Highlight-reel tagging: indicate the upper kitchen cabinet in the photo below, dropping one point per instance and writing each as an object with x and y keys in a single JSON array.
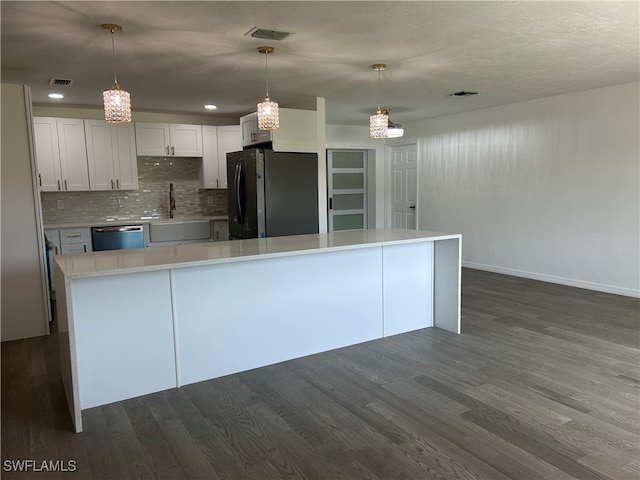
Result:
[
  {"x": 298, "y": 131},
  {"x": 168, "y": 140},
  {"x": 251, "y": 135},
  {"x": 217, "y": 142},
  {"x": 61, "y": 154},
  {"x": 111, "y": 152}
]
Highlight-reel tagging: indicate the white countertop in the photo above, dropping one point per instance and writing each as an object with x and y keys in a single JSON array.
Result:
[
  {"x": 138, "y": 221},
  {"x": 116, "y": 262}
]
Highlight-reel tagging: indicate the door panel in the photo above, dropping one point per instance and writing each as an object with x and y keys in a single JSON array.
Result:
[
  {"x": 404, "y": 186},
  {"x": 347, "y": 183}
]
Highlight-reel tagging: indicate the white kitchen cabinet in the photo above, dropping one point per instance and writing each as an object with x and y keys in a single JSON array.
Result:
[
  {"x": 111, "y": 153},
  {"x": 297, "y": 132},
  {"x": 61, "y": 154},
  {"x": 168, "y": 140},
  {"x": 67, "y": 240},
  {"x": 216, "y": 143},
  {"x": 220, "y": 230},
  {"x": 251, "y": 134},
  {"x": 75, "y": 240}
]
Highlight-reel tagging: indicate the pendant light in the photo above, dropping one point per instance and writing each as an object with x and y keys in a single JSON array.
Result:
[
  {"x": 268, "y": 117},
  {"x": 117, "y": 102},
  {"x": 378, "y": 122}
]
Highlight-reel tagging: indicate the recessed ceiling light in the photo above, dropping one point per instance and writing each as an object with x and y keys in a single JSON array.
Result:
[
  {"x": 56, "y": 95},
  {"x": 210, "y": 106}
]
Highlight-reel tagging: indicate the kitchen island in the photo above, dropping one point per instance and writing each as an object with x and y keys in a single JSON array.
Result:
[{"x": 134, "y": 322}]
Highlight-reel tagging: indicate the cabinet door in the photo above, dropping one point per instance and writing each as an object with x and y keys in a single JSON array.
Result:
[
  {"x": 125, "y": 162},
  {"x": 99, "y": 155},
  {"x": 75, "y": 248},
  {"x": 220, "y": 230},
  {"x": 209, "y": 176},
  {"x": 73, "y": 154},
  {"x": 53, "y": 236},
  {"x": 262, "y": 135},
  {"x": 229, "y": 140},
  {"x": 152, "y": 139},
  {"x": 249, "y": 126},
  {"x": 186, "y": 140},
  {"x": 45, "y": 132}
]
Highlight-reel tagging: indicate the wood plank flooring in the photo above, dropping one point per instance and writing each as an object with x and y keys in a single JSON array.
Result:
[{"x": 543, "y": 383}]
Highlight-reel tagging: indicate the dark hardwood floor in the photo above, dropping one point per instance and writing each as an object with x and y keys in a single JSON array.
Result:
[{"x": 543, "y": 383}]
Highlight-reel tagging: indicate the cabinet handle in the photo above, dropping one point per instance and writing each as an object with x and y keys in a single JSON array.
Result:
[
  {"x": 84, "y": 248},
  {"x": 73, "y": 235},
  {"x": 66, "y": 187},
  {"x": 112, "y": 184},
  {"x": 58, "y": 184},
  {"x": 173, "y": 151},
  {"x": 253, "y": 136},
  {"x": 55, "y": 249},
  {"x": 39, "y": 180},
  {"x": 167, "y": 149},
  {"x": 118, "y": 183}
]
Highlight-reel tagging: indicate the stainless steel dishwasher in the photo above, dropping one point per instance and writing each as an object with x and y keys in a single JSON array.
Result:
[{"x": 117, "y": 237}]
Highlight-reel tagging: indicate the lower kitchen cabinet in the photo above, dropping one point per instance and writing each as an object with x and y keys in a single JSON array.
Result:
[
  {"x": 67, "y": 240},
  {"x": 220, "y": 230}
]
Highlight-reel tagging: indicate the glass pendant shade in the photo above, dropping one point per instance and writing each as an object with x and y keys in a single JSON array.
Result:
[
  {"x": 378, "y": 124},
  {"x": 268, "y": 117},
  {"x": 117, "y": 105}
]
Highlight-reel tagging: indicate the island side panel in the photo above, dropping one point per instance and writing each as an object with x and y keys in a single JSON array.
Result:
[
  {"x": 447, "y": 258},
  {"x": 408, "y": 287},
  {"x": 68, "y": 360},
  {"x": 238, "y": 316},
  {"x": 124, "y": 336}
]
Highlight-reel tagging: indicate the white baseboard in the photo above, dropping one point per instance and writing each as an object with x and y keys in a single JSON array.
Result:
[{"x": 627, "y": 292}]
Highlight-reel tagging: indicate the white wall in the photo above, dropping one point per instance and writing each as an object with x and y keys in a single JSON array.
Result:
[
  {"x": 25, "y": 307},
  {"x": 545, "y": 189}
]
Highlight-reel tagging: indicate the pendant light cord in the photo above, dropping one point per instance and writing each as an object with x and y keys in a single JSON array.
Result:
[
  {"x": 266, "y": 69},
  {"x": 379, "y": 88},
  {"x": 113, "y": 58}
]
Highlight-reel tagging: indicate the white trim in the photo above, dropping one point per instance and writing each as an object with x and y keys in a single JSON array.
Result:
[{"x": 543, "y": 277}]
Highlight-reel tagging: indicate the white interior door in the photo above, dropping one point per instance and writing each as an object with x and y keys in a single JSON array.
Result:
[
  {"x": 347, "y": 187},
  {"x": 404, "y": 186}
]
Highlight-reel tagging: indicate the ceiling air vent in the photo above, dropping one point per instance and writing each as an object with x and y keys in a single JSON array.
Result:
[
  {"x": 462, "y": 93},
  {"x": 63, "y": 82},
  {"x": 267, "y": 34}
]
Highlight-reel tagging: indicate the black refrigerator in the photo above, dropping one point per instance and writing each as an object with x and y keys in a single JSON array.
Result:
[{"x": 271, "y": 194}]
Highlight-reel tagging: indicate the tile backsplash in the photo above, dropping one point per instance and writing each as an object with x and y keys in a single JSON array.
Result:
[{"x": 150, "y": 200}]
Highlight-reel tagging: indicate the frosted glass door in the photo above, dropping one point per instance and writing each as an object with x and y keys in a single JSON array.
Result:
[{"x": 347, "y": 189}]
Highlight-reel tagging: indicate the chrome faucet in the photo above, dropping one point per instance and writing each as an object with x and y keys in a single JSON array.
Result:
[{"x": 172, "y": 201}]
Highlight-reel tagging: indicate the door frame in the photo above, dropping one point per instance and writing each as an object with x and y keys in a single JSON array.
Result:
[{"x": 366, "y": 184}]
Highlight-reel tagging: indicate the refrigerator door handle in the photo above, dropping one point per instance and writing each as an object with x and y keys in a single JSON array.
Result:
[{"x": 239, "y": 199}]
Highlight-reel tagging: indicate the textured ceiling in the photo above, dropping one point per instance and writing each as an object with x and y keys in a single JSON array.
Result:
[{"x": 176, "y": 56}]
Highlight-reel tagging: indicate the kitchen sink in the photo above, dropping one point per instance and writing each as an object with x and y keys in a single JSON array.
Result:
[{"x": 178, "y": 231}]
